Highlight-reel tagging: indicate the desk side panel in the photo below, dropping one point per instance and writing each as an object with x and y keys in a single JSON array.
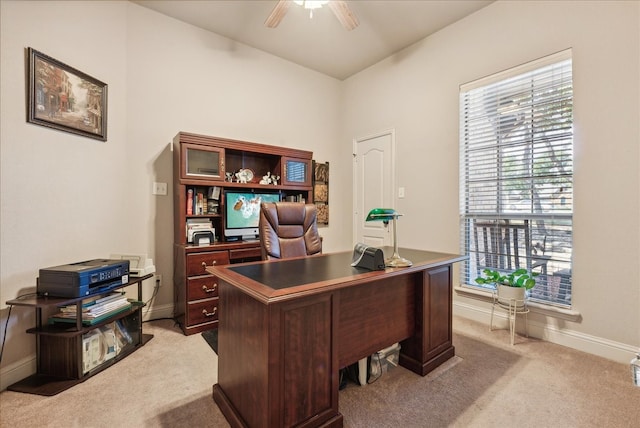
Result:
[
  {"x": 440, "y": 310},
  {"x": 306, "y": 364},
  {"x": 432, "y": 344},
  {"x": 243, "y": 355}
]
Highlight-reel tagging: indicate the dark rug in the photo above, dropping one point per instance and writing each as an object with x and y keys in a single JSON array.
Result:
[{"x": 211, "y": 336}]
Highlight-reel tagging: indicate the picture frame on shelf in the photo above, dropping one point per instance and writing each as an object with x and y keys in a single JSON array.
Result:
[{"x": 66, "y": 99}]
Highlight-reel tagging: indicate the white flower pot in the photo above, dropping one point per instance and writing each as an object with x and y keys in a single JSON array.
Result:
[{"x": 511, "y": 296}]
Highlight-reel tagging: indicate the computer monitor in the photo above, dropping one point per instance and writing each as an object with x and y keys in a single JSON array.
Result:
[{"x": 242, "y": 213}]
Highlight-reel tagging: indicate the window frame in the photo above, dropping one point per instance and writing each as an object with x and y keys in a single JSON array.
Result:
[{"x": 547, "y": 171}]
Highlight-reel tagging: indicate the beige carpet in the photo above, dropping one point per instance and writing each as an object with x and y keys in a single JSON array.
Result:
[{"x": 167, "y": 383}]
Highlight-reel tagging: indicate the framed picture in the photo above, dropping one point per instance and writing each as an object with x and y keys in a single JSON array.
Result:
[
  {"x": 66, "y": 99},
  {"x": 321, "y": 191}
]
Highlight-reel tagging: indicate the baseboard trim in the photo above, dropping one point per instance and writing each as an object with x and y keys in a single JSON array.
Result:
[
  {"x": 17, "y": 371},
  {"x": 156, "y": 312},
  {"x": 609, "y": 349}
]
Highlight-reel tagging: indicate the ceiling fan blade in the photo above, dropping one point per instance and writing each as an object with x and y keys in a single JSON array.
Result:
[
  {"x": 344, "y": 14},
  {"x": 277, "y": 13}
]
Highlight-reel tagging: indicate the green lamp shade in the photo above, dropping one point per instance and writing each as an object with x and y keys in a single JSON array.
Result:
[
  {"x": 382, "y": 214},
  {"x": 386, "y": 215}
]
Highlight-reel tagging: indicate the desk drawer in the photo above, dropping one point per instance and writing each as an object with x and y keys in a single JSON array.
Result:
[
  {"x": 245, "y": 253},
  {"x": 198, "y": 262},
  {"x": 202, "y": 311},
  {"x": 203, "y": 287}
]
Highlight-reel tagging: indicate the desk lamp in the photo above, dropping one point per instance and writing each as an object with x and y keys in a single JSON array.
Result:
[{"x": 385, "y": 215}]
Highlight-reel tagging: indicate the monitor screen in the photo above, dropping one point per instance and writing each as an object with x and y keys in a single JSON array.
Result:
[{"x": 242, "y": 212}]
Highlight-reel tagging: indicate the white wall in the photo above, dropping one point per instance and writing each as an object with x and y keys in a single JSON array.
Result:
[
  {"x": 66, "y": 198},
  {"x": 63, "y": 197},
  {"x": 416, "y": 92},
  {"x": 182, "y": 78}
]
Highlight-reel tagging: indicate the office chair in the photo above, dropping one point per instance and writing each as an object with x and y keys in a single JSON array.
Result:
[{"x": 288, "y": 229}]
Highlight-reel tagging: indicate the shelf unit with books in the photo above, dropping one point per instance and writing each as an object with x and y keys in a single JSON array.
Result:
[
  {"x": 70, "y": 352},
  {"x": 204, "y": 168}
]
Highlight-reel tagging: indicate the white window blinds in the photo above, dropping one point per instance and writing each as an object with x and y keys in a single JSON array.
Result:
[{"x": 516, "y": 148}]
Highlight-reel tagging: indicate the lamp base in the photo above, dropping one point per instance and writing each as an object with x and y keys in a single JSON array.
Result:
[{"x": 397, "y": 261}]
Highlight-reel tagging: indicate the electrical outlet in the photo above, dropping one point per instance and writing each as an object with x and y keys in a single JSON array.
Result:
[
  {"x": 159, "y": 188},
  {"x": 158, "y": 280}
]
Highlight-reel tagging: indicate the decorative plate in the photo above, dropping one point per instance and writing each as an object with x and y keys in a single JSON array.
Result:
[{"x": 245, "y": 175}]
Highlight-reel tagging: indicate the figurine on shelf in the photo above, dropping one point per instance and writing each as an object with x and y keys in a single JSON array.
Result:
[
  {"x": 266, "y": 179},
  {"x": 274, "y": 179},
  {"x": 229, "y": 176}
]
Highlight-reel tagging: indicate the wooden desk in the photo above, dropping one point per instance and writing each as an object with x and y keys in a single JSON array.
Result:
[{"x": 287, "y": 327}]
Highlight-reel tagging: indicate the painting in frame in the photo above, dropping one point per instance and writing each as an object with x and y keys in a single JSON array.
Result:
[
  {"x": 66, "y": 99},
  {"x": 321, "y": 191}
]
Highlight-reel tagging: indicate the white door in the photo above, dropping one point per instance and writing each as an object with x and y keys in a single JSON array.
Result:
[{"x": 373, "y": 185}]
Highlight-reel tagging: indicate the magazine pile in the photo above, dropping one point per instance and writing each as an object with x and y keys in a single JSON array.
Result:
[{"x": 94, "y": 309}]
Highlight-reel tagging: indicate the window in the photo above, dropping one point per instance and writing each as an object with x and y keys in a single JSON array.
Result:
[{"x": 516, "y": 166}]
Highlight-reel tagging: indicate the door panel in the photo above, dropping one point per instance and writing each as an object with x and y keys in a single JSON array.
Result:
[{"x": 373, "y": 186}]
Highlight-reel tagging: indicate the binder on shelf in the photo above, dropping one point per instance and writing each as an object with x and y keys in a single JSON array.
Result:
[{"x": 92, "y": 355}]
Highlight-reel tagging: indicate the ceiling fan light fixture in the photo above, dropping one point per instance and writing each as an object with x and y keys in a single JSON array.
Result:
[
  {"x": 339, "y": 8},
  {"x": 311, "y": 4}
]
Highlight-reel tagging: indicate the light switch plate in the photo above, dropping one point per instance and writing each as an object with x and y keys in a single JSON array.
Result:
[{"x": 159, "y": 188}]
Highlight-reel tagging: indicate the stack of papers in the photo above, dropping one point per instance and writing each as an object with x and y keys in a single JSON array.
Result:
[{"x": 94, "y": 309}]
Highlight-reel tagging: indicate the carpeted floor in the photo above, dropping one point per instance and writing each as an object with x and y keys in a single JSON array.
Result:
[{"x": 167, "y": 383}]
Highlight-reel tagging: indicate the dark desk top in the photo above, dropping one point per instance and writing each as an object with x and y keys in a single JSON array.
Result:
[
  {"x": 277, "y": 279},
  {"x": 289, "y": 273}
]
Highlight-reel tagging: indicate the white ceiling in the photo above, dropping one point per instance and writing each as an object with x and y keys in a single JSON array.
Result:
[{"x": 321, "y": 43}]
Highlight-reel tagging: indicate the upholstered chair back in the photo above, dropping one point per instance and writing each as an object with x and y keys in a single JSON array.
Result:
[{"x": 288, "y": 229}]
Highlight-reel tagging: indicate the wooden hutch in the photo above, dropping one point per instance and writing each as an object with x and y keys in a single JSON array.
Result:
[{"x": 205, "y": 169}]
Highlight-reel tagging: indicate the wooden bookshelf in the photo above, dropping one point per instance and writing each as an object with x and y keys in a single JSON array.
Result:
[{"x": 204, "y": 165}]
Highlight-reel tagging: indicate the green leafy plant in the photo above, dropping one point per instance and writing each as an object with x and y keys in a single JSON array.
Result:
[{"x": 517, "y": 278}]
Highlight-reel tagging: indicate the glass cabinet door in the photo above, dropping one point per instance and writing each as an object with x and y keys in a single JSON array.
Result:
[
  {"x": 202, "y": 162},
  {"x": 296, "y": 172}
]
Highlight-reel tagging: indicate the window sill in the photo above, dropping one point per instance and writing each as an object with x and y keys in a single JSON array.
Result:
[{"x": 552, "y": 311}]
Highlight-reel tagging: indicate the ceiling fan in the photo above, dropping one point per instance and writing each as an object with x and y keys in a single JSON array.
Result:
[{"x": 339, "y": 8}]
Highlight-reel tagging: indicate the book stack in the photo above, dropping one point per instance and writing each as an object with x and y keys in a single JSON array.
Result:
[
  {"x": 203, "y": 200},
  {"x": 94, "y": 309}
]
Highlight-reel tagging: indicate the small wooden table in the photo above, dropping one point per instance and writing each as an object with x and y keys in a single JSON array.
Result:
[
  {"x": 59, "y": 347},
  {"x": 286, "y": 328}
]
